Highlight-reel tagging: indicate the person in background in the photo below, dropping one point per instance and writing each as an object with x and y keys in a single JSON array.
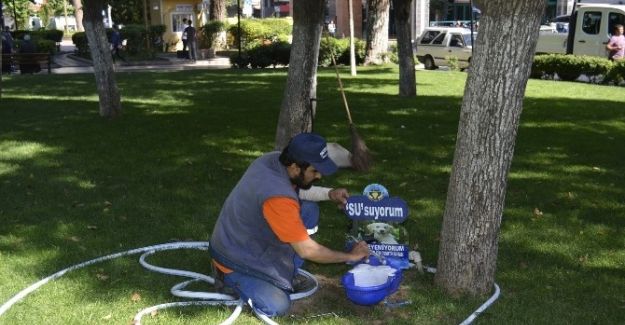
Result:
[
  {"x": 8, "y": 40},
  {"x": 263, "y": 233},
  {"x": 27, "y": 46},
  {"x": 184, "y": 37},
  {"x": 7, "y": 66},
  {"x": 332, "y": 28},
  {"x": 616, "y": 44},
  {"x": 116, "y": 44},
  {"x": 191, "y": 41}
]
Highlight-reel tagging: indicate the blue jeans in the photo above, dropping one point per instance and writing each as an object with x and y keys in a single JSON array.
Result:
[{"x": 267, "y": 298}]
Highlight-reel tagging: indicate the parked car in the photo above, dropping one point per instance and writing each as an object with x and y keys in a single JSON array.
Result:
[{"x": 438, "y": 44}]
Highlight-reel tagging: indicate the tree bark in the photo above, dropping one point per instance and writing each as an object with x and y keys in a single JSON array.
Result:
[
  {"x": 110, "y": 103},
  {"x": 298, "y": 105},
  {"x": 218, "y": 12},
  {"x": 489, "y": 120},
  {"x": 377, "y": 30},
  {"x": 78, "y": 14},
  {"x": 407, "y": 82}
]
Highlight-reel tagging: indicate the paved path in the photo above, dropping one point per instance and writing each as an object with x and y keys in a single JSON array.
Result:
[{"x": 66, "y": 62}]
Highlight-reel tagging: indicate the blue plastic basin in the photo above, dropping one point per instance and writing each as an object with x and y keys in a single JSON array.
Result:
[{"x": 367, "y": 296}]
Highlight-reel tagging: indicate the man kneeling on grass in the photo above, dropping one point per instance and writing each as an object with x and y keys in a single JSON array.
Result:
[{"x": 262, "y": 235}]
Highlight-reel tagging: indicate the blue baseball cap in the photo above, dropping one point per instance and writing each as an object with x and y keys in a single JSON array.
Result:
[{"x": 313, "y": 149}]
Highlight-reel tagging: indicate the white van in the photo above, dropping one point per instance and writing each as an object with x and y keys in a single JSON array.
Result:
[
  {"x": 437, "y": 45},
  {"x": 590, "y": 28}
]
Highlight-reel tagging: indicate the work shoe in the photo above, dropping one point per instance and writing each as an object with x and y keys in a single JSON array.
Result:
[
  {"x": 302, "y": 283},
  {"x": 220, "y": 286}
]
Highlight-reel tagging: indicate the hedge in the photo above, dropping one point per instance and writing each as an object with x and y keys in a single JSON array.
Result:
[
  {"x": 41, "y": 45},
  {"x": 570, "y": 67},
  {"x": 261, "y": 54},
  {"x": 617, "y": 73},
  {"x": 42, "y": 38},
  {"x": 210, "y": 31},
  {"x": 271, "y": 29},
  {"x": 134, "y": 35}
]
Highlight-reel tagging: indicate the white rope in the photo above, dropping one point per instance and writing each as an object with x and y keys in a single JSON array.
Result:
[
  {"x": 209, "y": 298},
  {"x": 482, "y": 308},
  {"x": 22, "y": 294}
]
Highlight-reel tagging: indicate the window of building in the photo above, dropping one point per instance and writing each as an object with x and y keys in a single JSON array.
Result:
[{"x": 177, "y": 19}]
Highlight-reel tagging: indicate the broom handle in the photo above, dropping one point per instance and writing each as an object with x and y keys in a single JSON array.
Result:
[{"x": 338, "y": 77}]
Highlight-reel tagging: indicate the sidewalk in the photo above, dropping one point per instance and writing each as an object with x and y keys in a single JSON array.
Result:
[{"x": 65, "y": 62}]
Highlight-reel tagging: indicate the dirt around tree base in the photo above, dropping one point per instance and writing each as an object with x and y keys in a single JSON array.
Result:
[{"x": 330, "y": 301}]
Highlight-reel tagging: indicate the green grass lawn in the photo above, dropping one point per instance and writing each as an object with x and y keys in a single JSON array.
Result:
[{"x": 74, "y": 186}]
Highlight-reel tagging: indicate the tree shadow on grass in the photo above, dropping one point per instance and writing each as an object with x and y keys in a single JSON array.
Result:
[{"x": 76, "y": 186}]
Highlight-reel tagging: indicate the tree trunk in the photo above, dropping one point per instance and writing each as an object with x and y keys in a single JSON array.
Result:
[
  {"x": 489, "y": 120},
  {"x": 78, "y": 14},
  {"x": 218, "y": 12},
  {"x": 407, "y": 82},
  {"x": 298, "y": 105},
  {"x": 110, "y": 103},
  {"x": 377, "y": 30}
]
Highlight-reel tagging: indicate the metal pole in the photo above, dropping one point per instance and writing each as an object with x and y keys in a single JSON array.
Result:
[{"x": 239, "y": 27}]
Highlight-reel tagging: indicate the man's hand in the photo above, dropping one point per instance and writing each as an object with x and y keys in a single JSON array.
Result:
[
  {"x": 311, "y": 250},
  {"x": 339, "y": 196},
  {"x": 359, "y": 251}
]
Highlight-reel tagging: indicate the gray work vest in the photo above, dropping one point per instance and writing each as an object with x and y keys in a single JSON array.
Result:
[{"x": 242, "y": 239}]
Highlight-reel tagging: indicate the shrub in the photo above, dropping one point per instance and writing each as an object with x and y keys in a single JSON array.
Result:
[
  {"x": 281, "y": 52},
  {"x": 340, "y": 48},
  {"x": 259, "y": 30},
  {"x": 393, "y": 55},
  {"x": 567, "y": 67},
  {"x": 135, "y": 36},
  {"x": 617, "y": 73},
  {"x": 360, "y": 49},
  {"x": 210, "y": 31},
  {"x": 570, "y": 67},
  {"x": 277, "y": 27},
  {"x": 539, "y": 66},
  {"x": 251, "y": 30},
  {"x": 260, "y": 56},
  {"x": 331, "y": 46},
  {"x": 156, "y": 35},
  {"x": 80, "y": 41},
  {"x": 52, "y": 35},
  {"x": 452, "y": 61},
  {"x": 45, "y": 46},
  {"x": 19, "y": 34},
  {"x": 263, "y": 54},
  {"x": 240, "y": 62}
]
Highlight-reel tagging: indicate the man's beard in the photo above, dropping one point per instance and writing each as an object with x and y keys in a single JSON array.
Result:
[{"x": 299, "y": 181}]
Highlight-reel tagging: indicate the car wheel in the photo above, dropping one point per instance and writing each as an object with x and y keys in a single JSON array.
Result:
[{"x": 428, "y": 63}]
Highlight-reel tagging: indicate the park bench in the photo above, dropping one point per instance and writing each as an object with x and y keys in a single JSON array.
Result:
[{"x": 28, "y": 61}]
